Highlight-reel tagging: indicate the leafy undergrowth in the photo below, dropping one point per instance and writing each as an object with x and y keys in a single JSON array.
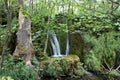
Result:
[
  {"x": 13, "y": 69},
  {"x": 51, "y": 69}
]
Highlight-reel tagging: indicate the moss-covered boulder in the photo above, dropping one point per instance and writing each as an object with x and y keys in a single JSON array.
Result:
[
  {"x": 64, "y": 66},
  {"x": 76, "y": 44}
]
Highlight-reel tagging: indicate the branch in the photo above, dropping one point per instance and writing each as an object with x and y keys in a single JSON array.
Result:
[
  {"x": 110, "y": 68},
  {"x": 118, "y": 67}
]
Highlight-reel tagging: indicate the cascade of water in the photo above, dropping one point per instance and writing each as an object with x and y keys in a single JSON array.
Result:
[
  {"x": 67, "y": 45},
  {"x": 55, "y": 45},
  {"x": 67, "y": 40}
]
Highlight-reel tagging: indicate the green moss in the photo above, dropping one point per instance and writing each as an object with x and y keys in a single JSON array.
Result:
[
  {"x": 56, "y": 67},
  {"x": 72, "y": 58},
  {"x": 76, "y": 44}
]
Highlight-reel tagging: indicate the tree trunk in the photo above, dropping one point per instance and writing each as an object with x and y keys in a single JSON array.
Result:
[{"x": 24, "y": 43}]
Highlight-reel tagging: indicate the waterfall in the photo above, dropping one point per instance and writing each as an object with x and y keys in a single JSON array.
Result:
[
  {"x": 56, "y": 42},
  {"x": 55, "y": 45},
  {"x": 67, "y": 40},
  {"x": 67, "y": 45}
]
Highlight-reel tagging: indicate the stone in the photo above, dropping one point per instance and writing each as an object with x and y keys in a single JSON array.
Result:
[
  {"x": 76, "y": 44},
  {"x": 64, "y": 66}
]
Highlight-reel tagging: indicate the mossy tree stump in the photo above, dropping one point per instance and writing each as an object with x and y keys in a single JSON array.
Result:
[
  {"x": 76, "y": 45},
  {"x": 24, "y": 42}
]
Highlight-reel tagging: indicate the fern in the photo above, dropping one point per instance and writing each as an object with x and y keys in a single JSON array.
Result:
[{"x": 104, "y": 49}]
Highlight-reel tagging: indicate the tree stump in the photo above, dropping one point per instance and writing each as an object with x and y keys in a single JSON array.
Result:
[{"x": 24, "y": 43}]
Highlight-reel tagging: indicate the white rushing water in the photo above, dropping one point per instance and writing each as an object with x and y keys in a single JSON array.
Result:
[
  {"x": 67, "y": 45},
  {"x": 67, "y": 40},
  {"x": 56, "y": 46}
]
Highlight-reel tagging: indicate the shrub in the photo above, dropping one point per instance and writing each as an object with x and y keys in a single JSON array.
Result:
[
  {"x": 17, "y": 70},
  {"x": 103, "y": 51}
]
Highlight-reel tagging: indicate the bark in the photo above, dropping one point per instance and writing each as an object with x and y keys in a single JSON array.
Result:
[{"x": 24, "y": 43}]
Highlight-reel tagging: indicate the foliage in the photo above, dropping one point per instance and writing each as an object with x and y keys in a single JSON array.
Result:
[
  {"x": 92, "y": 62},
  {"x": 114, "y": 73},
  {"x": 52, "y": 69},
  {"x": 17, "y": 70},
  {"x": 41, "y": 56},
  {"x": 14, "y": 25},
  {"x": 2, "y": 32},
  {"x": 4, "y": 78},
  {"x": 62, "y": 67},
  {"x": 97, "y": 20},
  {"x": 11, "y": 36},
  {"x": 80, "y": 70},
  {"x": 103, "y": 51}
]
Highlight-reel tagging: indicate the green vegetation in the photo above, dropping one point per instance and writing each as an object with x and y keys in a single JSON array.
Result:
[
  {"x": 15, "y": 69},
  {"x": 56, "y": 67},
  {"x": 94, "y": 33}
]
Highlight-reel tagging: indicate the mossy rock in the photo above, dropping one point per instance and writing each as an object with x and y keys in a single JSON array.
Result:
[
  {"x": 76, "y": 44},
  {"x": 64, "y": 66}
]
